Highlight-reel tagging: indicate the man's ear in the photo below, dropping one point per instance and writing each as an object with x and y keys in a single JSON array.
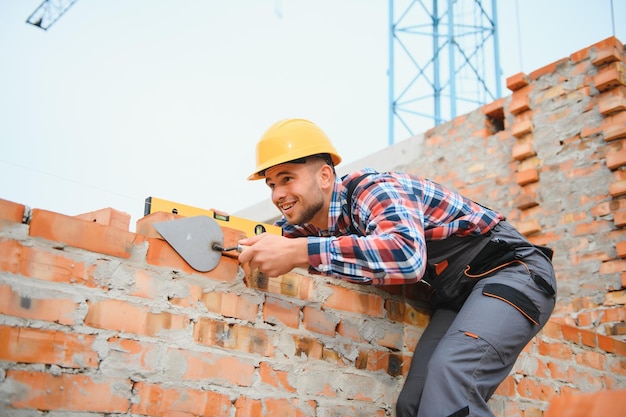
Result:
[{"x": 326, "y": 177}]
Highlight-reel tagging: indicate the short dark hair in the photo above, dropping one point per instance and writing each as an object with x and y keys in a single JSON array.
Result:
[
  {"x": 328, "y": 160},
  {"x": 323, "y": 156}
]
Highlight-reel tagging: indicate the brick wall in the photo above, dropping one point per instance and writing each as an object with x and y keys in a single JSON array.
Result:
[{"x": 96, "y": 319}]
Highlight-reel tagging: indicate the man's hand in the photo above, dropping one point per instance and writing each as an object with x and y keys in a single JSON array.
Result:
[{"x": 274, "y": 255}]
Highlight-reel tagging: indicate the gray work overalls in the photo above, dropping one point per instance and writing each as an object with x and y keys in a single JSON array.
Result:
[{"x": 474, "y": 339}]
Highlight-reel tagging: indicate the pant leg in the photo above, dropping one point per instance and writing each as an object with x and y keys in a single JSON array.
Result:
[
  {"x": 483, "y": 342},
  {"x": 409, "y": 398}
]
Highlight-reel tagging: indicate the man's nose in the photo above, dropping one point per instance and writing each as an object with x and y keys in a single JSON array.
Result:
[{"x": 278, "y": 193}]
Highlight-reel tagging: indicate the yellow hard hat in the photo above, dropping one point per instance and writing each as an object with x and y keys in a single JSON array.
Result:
[{"x": 288, "y": 140}]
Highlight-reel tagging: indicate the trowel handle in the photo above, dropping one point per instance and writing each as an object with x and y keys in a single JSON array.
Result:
[{"x": 238, "y": 248}]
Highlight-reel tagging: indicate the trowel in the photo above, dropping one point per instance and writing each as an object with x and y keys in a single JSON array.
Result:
[{"x": 199, "y": 240}]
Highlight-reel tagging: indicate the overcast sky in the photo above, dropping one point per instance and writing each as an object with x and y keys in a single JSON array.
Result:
[{"x": 124, "y": 99}]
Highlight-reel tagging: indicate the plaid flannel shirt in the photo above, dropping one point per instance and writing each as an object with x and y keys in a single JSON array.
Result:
[{"x": 396, "y": 214}]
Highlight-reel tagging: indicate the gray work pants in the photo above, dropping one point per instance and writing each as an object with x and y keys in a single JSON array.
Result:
[{"x": 463, "y": 356}]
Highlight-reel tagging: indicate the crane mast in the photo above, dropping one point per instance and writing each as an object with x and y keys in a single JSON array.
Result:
[
  {"x": 443, "y": 61},
  {"x": 49, "y": 12}
]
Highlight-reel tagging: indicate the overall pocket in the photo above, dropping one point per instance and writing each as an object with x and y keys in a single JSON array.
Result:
[{"x": 452, "y": 288}]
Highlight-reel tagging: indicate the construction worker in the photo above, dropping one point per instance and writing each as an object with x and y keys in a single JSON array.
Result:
[{"x": 492, "y": 290}]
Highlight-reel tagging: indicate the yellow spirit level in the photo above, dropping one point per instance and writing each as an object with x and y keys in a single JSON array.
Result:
[{"x": 250, "y": 227}]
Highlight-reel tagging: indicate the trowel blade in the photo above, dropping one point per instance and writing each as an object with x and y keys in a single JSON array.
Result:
[{"x": 193, "y": 239}]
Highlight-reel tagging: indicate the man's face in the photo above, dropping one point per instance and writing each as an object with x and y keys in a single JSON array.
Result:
[{"x": 296, "y": 193}]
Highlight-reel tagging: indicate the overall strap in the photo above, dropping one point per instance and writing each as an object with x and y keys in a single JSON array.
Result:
[{"x": 351, "y": 186}]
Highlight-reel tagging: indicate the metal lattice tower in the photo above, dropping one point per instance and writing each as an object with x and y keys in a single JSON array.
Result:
[
  {"x": 49, "y": 12},
  {"x": 443, "y": 61}
]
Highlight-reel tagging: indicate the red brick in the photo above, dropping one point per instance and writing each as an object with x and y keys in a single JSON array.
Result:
[
  {"x": 10, "y": 212},
  {"x": 241, "y": 306},
  {"x": 276, "y": 378},
  {"x": 527, "y": 198},
  {"x": 495, "y": 109},
  {"x": 348, "y": 329},
  {"x": 606, "y": 343},
  {"x": 66, "y": 392},
  {"x": 611, "y": 267},
  {"x": 607, "y": 207},
  {"x": 553, "y": 329},
  {"x": 532, "y": 388},
  {"x": 575, "y": 217},
  {"x": 506, "y": 387},
  {"x": 615, "y": 160},
  {"x": 610, "y": 76},
  {"x": 520, "y": 101},
  {"x": 617, "y": 188},
  {"x": 133, "y": 355},
  {"x": 156, "y": 400},
  {"x": 391, "y": 363},
  {"x": 393, "y": 338},
  {"x": 415, "y": 316},
  {"x": 350, "y": 300},
  {"x": 411, "y": 336},
  {"x": 293, "y": 407},
  {"x": 115, "y": 314},
  {"x": 291, "y": 284},
  {"x": 145, "y": 285},
  {"x": 319, "y": 321},
  {"x": 590, "y": 130},
  {"x": 523, "y": 150},
  {"x": 81, "y": 233},
  {"x": 232, "y": 336},
  {"x": 217, "y": 367},
  {"x": 609, "y": 104},
  {"x": 517, "y": 81},
  {"x": 107, "y": 217},
  {"x": 594, "y": 360},
  {"x": 529, "y": 227},
  {"x": 55, "y": 310},
  {"x": 308, "y": 346},
  {"x": 527, "y": 176},
  {"x": 614, "y": 132},
  {"x": 595, "y": 404},
  {"x": 521, "y": 128},
  {"x": 607, "y": 55},
  {"x": 619, "y": 218},
  {"x": 18, "y": 344},
  {"x": 555, "y": 350},
  {"x": 35, "y": 262},
  {"x": 572, "y": 334},
  {"x": 144, "y": 226},
  {"x": 613, "y": 126},
  {"x": 248, "y": 407},
  {"x": 592, "y": 227},
  {"x": 395, "y": 310},
  {"x": 281, "y": 311}
]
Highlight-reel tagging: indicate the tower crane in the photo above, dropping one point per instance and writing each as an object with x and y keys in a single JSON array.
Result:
[{"x": 49, "y": 12}]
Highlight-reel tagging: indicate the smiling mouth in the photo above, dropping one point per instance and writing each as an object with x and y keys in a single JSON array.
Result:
[{"x": 286, "y": 206}]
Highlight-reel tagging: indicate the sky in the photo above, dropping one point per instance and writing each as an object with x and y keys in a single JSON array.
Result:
[{"x": 120, "y": 100}]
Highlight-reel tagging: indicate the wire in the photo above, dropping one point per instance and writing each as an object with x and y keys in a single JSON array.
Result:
[{"x": 69, "y": 180}]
